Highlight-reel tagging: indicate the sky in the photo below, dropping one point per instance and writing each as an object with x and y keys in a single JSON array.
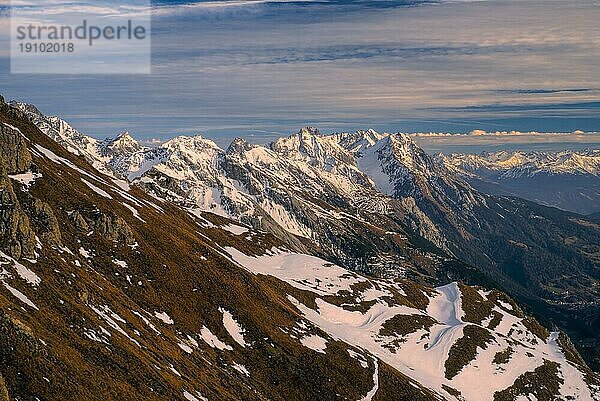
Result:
[{"x": 262, "y": 69}]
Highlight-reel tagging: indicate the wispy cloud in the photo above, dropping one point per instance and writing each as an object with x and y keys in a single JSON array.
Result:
[
  {"x": 508, "y": 140},
  {"x": 524, "y": 108},
  {"x": 239, "y": 67},
  {"x": 544, "y": 91}
]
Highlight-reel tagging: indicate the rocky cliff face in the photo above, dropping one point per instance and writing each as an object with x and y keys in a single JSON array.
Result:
[
  {"x": 17, "y": 237},
  {"x": 15, "y": 157}
]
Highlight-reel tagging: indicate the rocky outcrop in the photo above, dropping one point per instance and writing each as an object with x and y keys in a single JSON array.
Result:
[
  {"x": 46, "y": 223},
  {"x": 17, "y": 344},
  {"x": 14, "y": 155},
  {"x": 110, "y": 226},
  {"x": 16, "y": 236}
]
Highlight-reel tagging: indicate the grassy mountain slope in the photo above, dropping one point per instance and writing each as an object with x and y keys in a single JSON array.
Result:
[{"x": 110, "y": 294}]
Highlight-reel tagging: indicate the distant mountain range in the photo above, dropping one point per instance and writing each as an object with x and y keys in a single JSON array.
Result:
[
  {"x": 567, "y": 180},
  {"x": 369, "y": 202}
]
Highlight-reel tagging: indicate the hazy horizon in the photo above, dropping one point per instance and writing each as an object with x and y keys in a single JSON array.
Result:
[{"x": 431, "y": 142}]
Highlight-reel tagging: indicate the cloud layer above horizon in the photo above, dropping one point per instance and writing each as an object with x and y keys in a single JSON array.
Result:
[{"x": 263, "y": 68}]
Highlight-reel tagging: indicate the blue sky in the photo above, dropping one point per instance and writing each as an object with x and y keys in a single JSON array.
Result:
[{"x": 260, "y": 69}]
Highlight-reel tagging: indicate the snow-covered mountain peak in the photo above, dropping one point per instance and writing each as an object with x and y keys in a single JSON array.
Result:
[
  {"x": 393, "y": 162},
  {"x": 400, "y": 140},
  {"x": 403, "y": 150},
  {"x": 359, "y": 140},
  {"x": 67, "y": 136},
  {"x": 123, "y": 143},
  {"x": 239, "y": 146},
  {"x": 308, "y": 132},
  {"x": 29, "y": 109},
  {"x": 189, "y": 157},
  {"x": 567, "y": 179},
  {"x": 323, "y": 151},
  {"x": 304, "y": 142},
  {"x": 189, "y": 144},
  {"x": 56, "y": 128},
  {"x": 125, "y": 139},
  {"x": 517, "y": 164},
  {"x": 371, "y": 135},
  {"x": 586, "y": 162}
]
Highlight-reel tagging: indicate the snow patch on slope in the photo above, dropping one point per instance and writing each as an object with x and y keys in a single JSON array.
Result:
[
  {"x": 314, "y": 342},
  {"x": 234, "y": 329},
  {"x": 421, "y": 355}
]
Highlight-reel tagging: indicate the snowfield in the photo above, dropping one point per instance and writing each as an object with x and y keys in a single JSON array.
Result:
[{"x": 422, "y": 354}]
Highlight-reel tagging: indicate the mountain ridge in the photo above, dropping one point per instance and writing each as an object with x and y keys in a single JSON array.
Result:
[
  {"x": 378, "y": 204},
  {"x": 566, "y": 179},
  {"x": 136, "y": 293}
]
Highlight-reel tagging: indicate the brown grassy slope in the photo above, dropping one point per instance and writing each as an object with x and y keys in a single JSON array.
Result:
[{"x": 47, "y": 354}]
